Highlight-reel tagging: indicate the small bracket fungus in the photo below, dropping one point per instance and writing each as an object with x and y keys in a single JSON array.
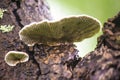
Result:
[
  {"x": 70, "y": 29},
  {"x": 12, "y": 58}
]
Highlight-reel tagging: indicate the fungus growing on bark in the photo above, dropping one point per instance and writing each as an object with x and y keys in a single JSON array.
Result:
[
  {"x": 70, "y": 29},
  {"x": 12, "y": 58}
]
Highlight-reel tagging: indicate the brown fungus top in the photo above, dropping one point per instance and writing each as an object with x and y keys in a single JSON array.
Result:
[
  {"x": 12, "y": 58},
  {"x": 70, "y": 29}
]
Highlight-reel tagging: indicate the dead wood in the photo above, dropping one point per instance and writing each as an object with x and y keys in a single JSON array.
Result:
[{"x": 56, "y": 62}]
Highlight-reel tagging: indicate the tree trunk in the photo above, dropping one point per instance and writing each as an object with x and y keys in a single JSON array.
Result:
[
  {"x": 104, "y": 62},
  {"x": 56, "y": 62}
]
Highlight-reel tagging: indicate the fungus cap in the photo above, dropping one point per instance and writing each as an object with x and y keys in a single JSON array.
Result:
[
  {"x": 12, "y": 58},
  {"x": 69, "y": 29}
]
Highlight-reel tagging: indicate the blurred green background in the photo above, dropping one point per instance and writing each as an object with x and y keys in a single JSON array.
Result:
[{"x": 100, "y": 9}]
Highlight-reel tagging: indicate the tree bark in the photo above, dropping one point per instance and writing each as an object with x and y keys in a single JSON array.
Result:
[
  {"x": 56, "y": 62},
  {"x": 104, "y": 62},
  {"x": 20, "y": 13}
]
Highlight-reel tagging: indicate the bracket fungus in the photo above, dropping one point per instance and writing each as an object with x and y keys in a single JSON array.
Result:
[
  {"x": 70, "y": 29},
  {"x": 12, "y": 58}
]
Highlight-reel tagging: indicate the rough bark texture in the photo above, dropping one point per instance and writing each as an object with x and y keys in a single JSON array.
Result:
[
  {"x": 20, "y": 13},
  {"x": 56, "y": 62},
  {"x": 104, "y": 62}
]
